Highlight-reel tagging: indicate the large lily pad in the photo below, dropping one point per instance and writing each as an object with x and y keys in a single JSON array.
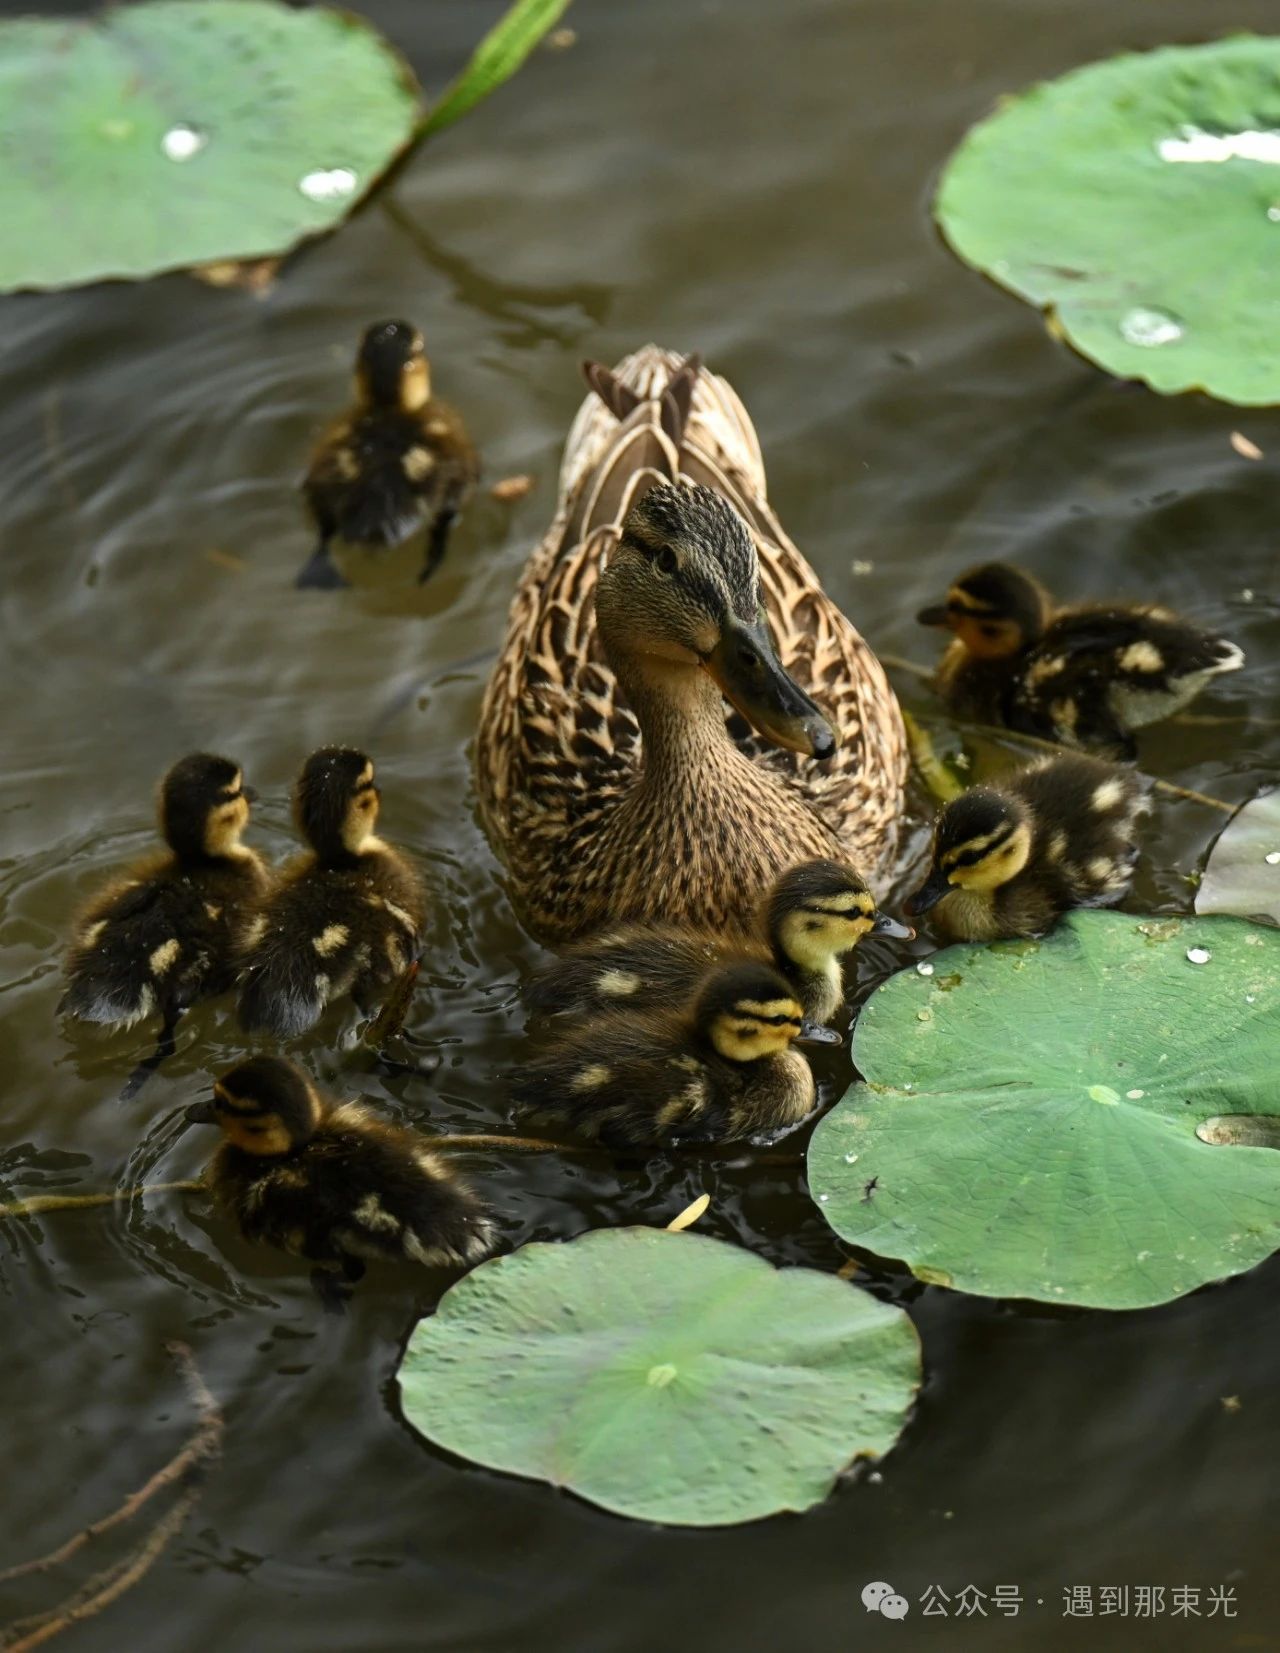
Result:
[
  {"x": 179, "y": 132},
  {"x": 669, "y": 1377},
  {"x": 1138, "y": 202},
  {"x": 1029, "y": 1123},
  {"x": 1243, "y": 873}
]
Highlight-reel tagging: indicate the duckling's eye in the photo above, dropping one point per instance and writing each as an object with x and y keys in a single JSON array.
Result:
[
  {"x": 666, "y": 561},
  {"x": 990, "y": 631}
]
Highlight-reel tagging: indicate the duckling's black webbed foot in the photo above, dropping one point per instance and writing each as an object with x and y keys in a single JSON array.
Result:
[
  {"x": 437, "y": 544},
  {"x": 165, "y": 1047},
  {"x": 320, "y": 573},
  {"x": 332, "y": 1289}
]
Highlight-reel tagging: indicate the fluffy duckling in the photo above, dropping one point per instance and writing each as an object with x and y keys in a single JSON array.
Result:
[
  {"x": 1009, "y": 859},
  {"x": 1085, "y": 677},
  {"x": 397, "y": 463},
  {"x": 330, "y": 1182},
  {"x": 344, "y": 918},
  {"x": 167, "y": 933},
  {"x": 719, "y": 1070},
  {"x": 815, "y": 913}
]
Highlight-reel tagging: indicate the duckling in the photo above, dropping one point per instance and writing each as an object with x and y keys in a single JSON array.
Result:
[
  {"x": 1008, "y": 860},
  {"x": 330, "y": 1182},
  {"x": 344, "y": 918},
  {"x": 394, "y": 464},
  {"x": 1084, "y": 677},
  {"x": 815, "y": 913},
  {"x": 719, "y": 1069},
  {"x": 167, "y": 932}
]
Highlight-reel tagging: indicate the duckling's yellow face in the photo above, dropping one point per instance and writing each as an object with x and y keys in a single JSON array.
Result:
[
  {"x": 262, "y": 1125},
  {"x": 984, "y": 864},
  {"x": 415, "y": 382},
  {"x": 228, "y": 817},
  {"x": 981, "y": 841},
  {"x": 995, "y": 611},
  {"x": 362, "y": 811},
  {"x": 748, "y": 1029},
  {"x": 824, "y": 927},
  {"x": 391, "y": 368}
]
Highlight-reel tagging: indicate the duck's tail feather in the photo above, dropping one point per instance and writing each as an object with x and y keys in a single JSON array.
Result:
[{"x": 285, "y": 996}]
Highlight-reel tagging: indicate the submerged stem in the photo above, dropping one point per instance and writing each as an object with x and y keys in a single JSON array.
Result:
[{"x": 35, "y": 1203}]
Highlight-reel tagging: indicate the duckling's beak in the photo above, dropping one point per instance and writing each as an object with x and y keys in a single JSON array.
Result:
[
  {"x": 928, "y": 895},
  {"x": 814, "y": 1033},
  {"x": 938, "y": 615},
  {"x": 883, "y": 925},
  {"x": 745, "y": 665},
  {"x": 202, "y": 1113},
  {"x": 249, "y": 793}
]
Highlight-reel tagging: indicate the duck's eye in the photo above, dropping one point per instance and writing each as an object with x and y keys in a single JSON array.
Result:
[
  {"x": 990, "y": 631},
  {"x": 666, "y": 561}
]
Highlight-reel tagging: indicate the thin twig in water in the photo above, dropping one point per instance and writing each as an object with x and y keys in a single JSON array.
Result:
[
  {"x": 523, "y": 1144},
  {"x": 108, "y": 1585},
  {"x": 55, "y": 448},
  {"x": 898, "y": 663},
  {"x": 35, "y": 1203},
  {"x": 1033, "y": 742},
  {"x": 111, "y": 1582}
]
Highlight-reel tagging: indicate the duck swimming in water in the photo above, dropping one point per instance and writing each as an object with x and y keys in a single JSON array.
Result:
[{"x": 611, "y": 780}]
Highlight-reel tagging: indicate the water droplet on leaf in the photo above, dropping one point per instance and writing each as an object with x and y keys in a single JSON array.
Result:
[
  {"x": 1199, "y": 955},
  {"x": 1273, "y": 860},
  {"x": 1149, "y": 328},
  {"x": 181, "y": 142},
  {"x": 328, "y": 184},
  {"x": 924, "y": 968}
]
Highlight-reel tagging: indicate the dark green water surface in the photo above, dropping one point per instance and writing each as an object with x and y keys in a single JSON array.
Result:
[{"x": 747, "y": 179}]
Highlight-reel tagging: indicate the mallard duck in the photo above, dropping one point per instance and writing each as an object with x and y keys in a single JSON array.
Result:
[
  {"x": 344, "y": 918},
  {"x": 1085, "y": 677},
  {"x": 814, "y": 914},
  {"x": 398, "y": 463},
  {"x": 330, "y": 1182},
  {"x": 609, "y": 780},
  {"x": 1009, "y": 859},
  {"x": 719, "y": 1067},
  {"x": 168, "y": 932}
]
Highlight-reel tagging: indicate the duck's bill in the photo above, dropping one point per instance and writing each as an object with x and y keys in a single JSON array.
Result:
[
  {"x": 202, "y": 1113},
  {"x": 928, "y": 895},
  {"x": 883, "y": 925},
  {"x": 814, "y": 1033},
  {"x": 938, "y": 615},
  {"x": 249, "y": 793},
  {"x": 749, "y": 674}
]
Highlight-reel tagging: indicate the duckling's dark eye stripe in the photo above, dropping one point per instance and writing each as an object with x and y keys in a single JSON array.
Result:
[
  {"x": 971, "y": 857},
  {"x": 228, "y": 1106},
  {"x": 837, "y": 912},
  {"x": 365, "y": 786}
]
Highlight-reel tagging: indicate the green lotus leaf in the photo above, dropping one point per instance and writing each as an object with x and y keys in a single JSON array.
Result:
[
  {"x": 664, "y": 1376},
  {"x": 179, "y": 132},
  {"x": 1243, "y": 872},
  {"x": 1069, "y": 1119},
  {"x": 1138, "y": 202}
]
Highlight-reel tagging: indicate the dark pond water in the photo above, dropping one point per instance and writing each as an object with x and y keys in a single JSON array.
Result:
[{"x": 748, "y": 179}]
